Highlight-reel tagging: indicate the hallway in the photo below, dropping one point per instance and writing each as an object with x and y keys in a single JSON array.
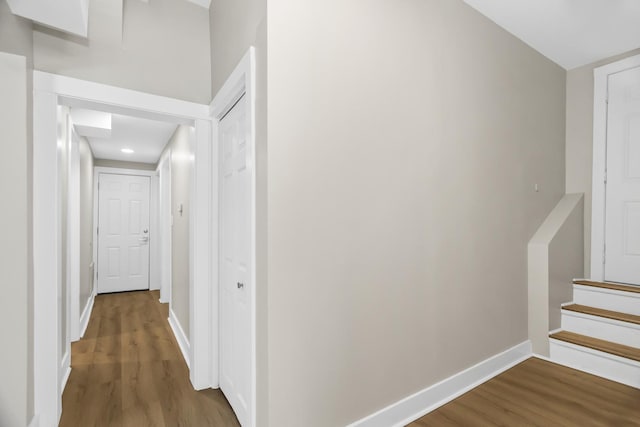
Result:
[{"x": 128, "y": 371}]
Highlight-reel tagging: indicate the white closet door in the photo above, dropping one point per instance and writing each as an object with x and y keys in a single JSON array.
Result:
[{"x": 235, "y": 255}]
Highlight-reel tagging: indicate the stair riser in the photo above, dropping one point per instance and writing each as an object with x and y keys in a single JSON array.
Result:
[
  {"x": 595, "y": 362},
  {"x": 605, "y": 329},
  {"x": 623, "y": 302}
]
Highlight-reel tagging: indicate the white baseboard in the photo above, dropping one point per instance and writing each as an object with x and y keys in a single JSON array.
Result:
[
  {"x": 35, "y": 421},
  {"x": 65, "y": 370},
  {"x": 181, "y": 337},
  {"x": 86, "y": 314},
  {"x": 421, "y": 403}
]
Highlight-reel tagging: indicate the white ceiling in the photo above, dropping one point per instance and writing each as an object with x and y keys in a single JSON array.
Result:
[
  {"x": 569, "y": 32},
  {"x": 147, "y": 138}
]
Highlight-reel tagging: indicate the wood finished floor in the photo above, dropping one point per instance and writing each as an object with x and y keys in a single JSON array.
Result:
[
  {"x": 540, "y": 393},
  {"x": 128, "y": 371}
]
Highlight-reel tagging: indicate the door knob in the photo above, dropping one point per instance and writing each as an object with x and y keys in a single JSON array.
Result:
[
  {"x": 240, "y": 285},
  {"x": 143, "y": 239}
]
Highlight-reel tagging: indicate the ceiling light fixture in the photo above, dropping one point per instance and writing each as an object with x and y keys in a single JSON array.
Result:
[{"x": 127, "y": 150}]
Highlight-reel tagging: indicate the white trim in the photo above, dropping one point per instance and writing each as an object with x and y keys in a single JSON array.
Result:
[
  {"x": 421, "y": 403},
  {"x": 164, "y": 226},
  {"x": 46, "y": 341},
  {"x": 600, "y": 88},
  {"x": 200, "y": 225},
  {"x": 97, "y": 170},
  {"x": 73, "y": 239},
  {"x": 154, "y": 234},
  {"x": 86, "y": 314},
  {"x": 82, "y": 93},
  {"x": 241, "y": 81},
  {"x": 65, "y": 371},
  {"x": 50, "y": 91},
  {"x": 181, "y": 337}
]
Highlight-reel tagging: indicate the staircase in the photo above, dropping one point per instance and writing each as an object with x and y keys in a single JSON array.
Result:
[{"x": 601, "y": 332}]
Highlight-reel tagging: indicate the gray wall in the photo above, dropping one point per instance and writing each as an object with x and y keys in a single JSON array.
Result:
[
  {"x": 235, "y": 26},
  {"x": 580, "y": 140},
  {"x": 125, "y": 165},
  {"x": 86, "y": 222},
  {"x": 162, "y": 48},
  {"x": 405, "y": 139},
  {"x": 16, "y": 310},
  {"x": 181, "y": 169}
]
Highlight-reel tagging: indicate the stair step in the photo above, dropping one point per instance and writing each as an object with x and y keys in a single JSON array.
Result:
[
  {"x": 607, "y": 296},
  {"x": 607, "y": 285},
  {"x": 620, "y": 350},
  {"x": 609, "y": 314}
]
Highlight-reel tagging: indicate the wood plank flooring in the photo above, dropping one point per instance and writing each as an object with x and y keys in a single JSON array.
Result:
[
  {"x": 128, "y": 371},
  {"x": 540, "y": 393}
]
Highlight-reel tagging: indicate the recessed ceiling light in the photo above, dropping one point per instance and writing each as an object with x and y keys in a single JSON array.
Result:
[{"x": 127, "y": 150}]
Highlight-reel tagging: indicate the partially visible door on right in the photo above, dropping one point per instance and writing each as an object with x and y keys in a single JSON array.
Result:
[
  {"x": 622, "y": 228},
  {"x": 236, "y": 289}
]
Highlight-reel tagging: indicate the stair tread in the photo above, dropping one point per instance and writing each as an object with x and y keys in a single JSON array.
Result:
[
  {"x": 625, "y": 351},
  {"x": 608, "y": 285},
  {"x": 600, "y": 312}
]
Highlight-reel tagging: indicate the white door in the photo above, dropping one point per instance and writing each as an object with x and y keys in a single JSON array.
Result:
[
  {"x": 235, "y": 261},
  {"x": 123, "y": 233},
  {"x": 622, "y": 229}
]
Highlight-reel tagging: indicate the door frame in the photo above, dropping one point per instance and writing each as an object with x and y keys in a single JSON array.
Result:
[
  {"x": 153, "y": 223},
  {"x": 164, "y": 233},
  {"x": 241, "y": 81},
  {"x": 599, "y": 174},
  {"x": 50, "y": 91}
]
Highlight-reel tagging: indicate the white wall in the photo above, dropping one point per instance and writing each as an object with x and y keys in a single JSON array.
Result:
[
  {"x": 16, "y": 311},
  {"x": 160, "y": 47},
  {"x": 14, "y": 327},
  {"x": 405, "y": 139},
  {"x": 580, "y": 140}
]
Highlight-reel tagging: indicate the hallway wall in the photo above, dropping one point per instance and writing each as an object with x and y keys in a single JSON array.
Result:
[
  {"x": 86, "y": 222},
  {"x": 16, "y": 254},
  {"x": 579, "y": 136},
  {"x": 159, "y": 46},
  {"x": 181, "y": 170},
  {"x": 405, "y": 139}
]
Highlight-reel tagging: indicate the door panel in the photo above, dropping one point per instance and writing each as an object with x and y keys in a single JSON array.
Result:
[
  {"x": 123, "y": 233},
  {"x": 622, "y": 229},
  {"x": 236, "y": 258}
]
